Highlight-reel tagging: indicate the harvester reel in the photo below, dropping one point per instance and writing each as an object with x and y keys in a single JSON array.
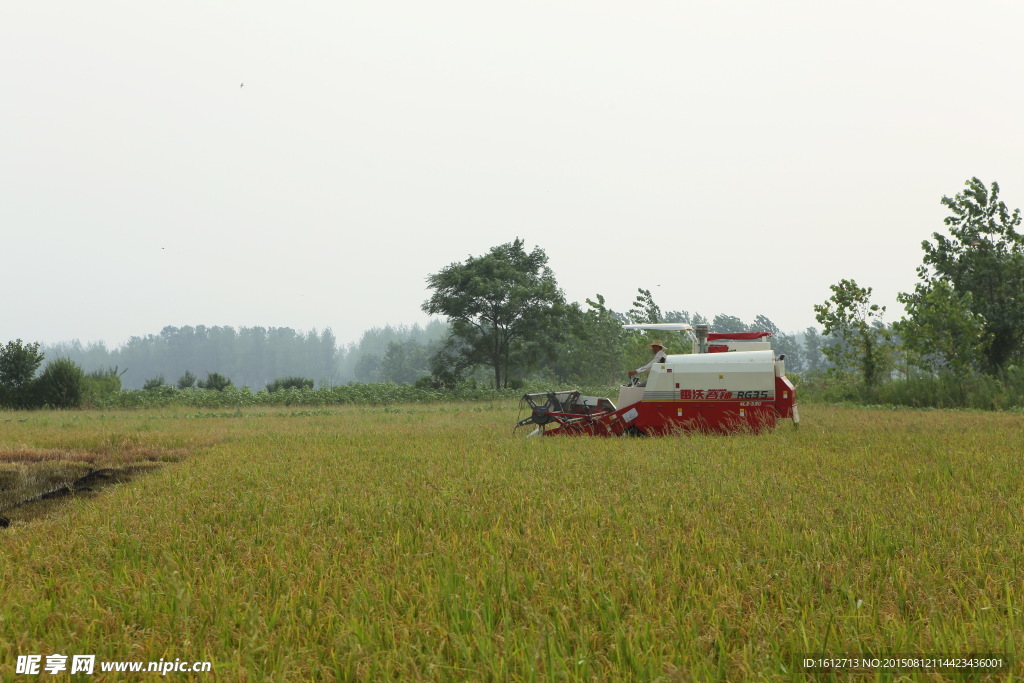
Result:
[
  {"x": 553, "y": 402},
  {"x": 540, "y": 415}
]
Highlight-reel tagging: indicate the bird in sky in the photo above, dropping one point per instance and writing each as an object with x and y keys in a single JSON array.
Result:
[{"x": 242, "y": 86}]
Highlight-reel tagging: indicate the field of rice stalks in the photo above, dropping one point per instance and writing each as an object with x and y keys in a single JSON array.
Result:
[{"x": 426, "y": 542}]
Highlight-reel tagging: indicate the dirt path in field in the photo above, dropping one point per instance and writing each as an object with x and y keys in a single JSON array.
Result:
[{"x": 87, "y": 485}]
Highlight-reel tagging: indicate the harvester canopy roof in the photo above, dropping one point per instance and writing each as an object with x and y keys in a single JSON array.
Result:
[
  {"x": 662, "y": 327},
  {"x": 737, "y": 335}
]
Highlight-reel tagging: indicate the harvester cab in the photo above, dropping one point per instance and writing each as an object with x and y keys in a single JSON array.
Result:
[{"x": 729, "y": 382}]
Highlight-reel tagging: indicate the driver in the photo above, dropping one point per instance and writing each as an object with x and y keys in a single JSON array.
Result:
[{"x": 659, "y": 357}]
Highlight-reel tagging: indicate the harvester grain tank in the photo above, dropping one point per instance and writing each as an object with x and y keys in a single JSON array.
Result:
[{"x": 731, "y": 382}]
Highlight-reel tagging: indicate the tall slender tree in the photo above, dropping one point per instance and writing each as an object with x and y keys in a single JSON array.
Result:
[{"x": 866, "y": 341}]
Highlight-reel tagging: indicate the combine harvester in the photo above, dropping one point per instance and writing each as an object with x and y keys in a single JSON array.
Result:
[{"x": 732, "y": 382}]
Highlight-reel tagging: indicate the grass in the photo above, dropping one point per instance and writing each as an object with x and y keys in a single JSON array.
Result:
[{"x": 425, "y": 542}]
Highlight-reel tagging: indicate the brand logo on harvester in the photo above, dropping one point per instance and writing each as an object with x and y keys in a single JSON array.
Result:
[{"x": 721, "y": 395}]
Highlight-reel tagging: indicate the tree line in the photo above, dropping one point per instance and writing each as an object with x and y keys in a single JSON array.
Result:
[
  {"x": 587, "y": 343},
  {"x": 534, "y": 339},
  {"x": 256, "y": 356}
]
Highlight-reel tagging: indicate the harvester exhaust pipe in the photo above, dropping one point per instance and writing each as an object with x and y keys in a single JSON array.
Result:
[{"x": 701, "y": 332}]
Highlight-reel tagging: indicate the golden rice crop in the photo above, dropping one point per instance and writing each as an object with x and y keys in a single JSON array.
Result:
[{"x": 427, "y": 542}]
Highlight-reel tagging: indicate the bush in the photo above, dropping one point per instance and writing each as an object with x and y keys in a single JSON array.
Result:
[
  {"x": 427, "y": 383},
  {"x": 154, "y": 382},
  {"x": 97, "y": 388},
  {"x": 948, "y": 390},
  {"x": 830, "y": 386},
  {"x": 215, "y": 381},
  {"x": 61, "y": 385},
  {"x": 187, "y": 381},
  {"x": 100, "y": 384},
  {"x": 290, "y": 383},
  {"x": 918, "y": 390}
]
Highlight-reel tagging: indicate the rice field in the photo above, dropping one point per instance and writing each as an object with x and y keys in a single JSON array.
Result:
[{"x": 426, "y": 542}]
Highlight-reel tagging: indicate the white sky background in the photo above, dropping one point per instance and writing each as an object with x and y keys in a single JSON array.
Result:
[{"x": 734, "y": 157}]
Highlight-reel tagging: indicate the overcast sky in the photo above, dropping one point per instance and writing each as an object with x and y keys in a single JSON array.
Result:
[{"x": 734, "y": 157}]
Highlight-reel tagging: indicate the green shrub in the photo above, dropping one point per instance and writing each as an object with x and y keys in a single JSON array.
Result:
[
  {"x": 187, "y": 381},
  {"x": 61, "y": 385},
  {"x": 427, "y": 383},
  {"x": 106, "y": 372},
  {"x": 96, "y": 388},
  {"x": 215, "y": 382},
  {"x": 100, "y": 384},
  {"x": 154, "y": 382},
  {"x": 918, "y": 390},
  {"x": 290, "y": 383}
]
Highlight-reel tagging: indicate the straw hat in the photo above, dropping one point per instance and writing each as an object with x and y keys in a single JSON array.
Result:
[{"x": 656, "y": 342}]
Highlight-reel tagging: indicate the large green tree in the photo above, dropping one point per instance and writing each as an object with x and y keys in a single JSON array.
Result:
[
  {"x": 501, "y": 306},
  {"x": 981, "y": 263}
]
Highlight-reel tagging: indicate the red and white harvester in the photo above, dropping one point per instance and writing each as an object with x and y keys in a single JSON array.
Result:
[{"x": 731, "y": 382}]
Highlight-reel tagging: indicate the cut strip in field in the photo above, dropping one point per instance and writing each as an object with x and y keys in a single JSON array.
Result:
[
  {"x": 135, "y": 453},
  {"x": 33, "y": 491},
  {"x": 34, "y": 481}
]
